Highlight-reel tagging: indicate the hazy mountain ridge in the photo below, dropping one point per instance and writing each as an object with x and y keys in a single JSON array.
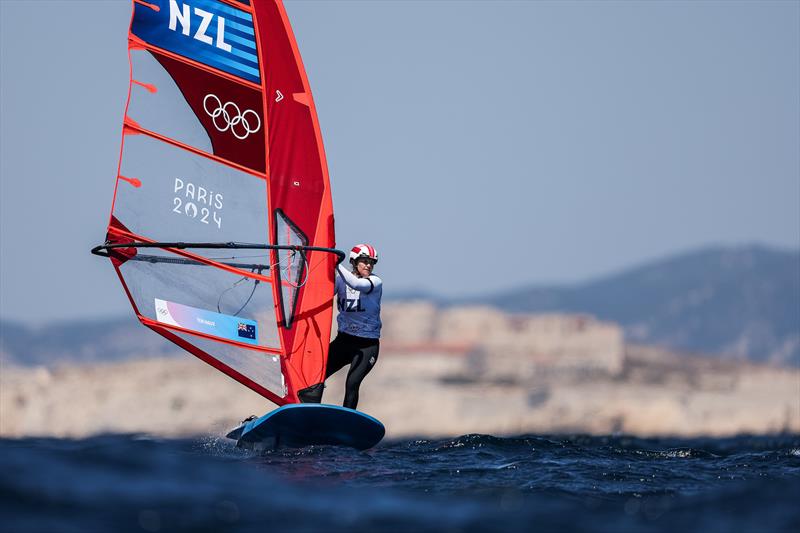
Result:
[
  {"x": 85, "y": 341},
  {"x": 737, "y": 302},
  {"x": 741, "y": 302}
]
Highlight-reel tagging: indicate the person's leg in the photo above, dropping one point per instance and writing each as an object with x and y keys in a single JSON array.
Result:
[
  {"x": 338, "y": 356},
  {"x": 361, "y": 364}
]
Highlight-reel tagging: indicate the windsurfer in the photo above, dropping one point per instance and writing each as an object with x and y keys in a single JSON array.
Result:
[{"x": 358, "y": 297}]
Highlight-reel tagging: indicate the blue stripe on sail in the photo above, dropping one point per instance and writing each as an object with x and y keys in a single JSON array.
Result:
[
  {"x": 153, "y": 27},
  {"x": 228, "y": 10},
  {"x": 232, "y": 37},
  {"x": 237, "y": 37},
  {"x": 226, "y": 59},
  {"x": 238, "y": 66},
  {"x": 236, "y": 26},
  {"x": 219, "y": 8},
  {"x": 229, "y": 30},
  {"x": 245, "y": 55}
]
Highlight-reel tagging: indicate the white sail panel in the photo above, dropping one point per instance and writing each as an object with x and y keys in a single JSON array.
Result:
[
  {"x": 262, "y": 368},
  {"x": 156, "y": 274},
  {"x": 187, "y": 197}
]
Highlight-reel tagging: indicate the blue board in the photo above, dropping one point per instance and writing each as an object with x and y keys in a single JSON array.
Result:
[{"x": 306, "y": 424}]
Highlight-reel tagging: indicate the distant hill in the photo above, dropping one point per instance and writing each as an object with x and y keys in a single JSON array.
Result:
[
  {"x": 80, "y": 341},
  {"x": 742, "y": 302},
  {"x": 737, "y": 302}
]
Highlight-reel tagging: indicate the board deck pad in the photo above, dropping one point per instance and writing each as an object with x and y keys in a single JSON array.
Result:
[{"x": 307, "y": 424}]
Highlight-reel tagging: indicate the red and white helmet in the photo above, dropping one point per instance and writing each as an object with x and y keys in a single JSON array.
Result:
[{"x": 363, "y": 250}]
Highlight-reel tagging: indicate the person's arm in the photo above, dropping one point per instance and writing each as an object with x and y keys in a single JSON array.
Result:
[
  {"x": 336, "y": 281},
  {"x": 366, "y": 285}
]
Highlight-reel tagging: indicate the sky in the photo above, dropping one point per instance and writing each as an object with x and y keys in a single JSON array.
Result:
[{"x": 478, "y": 145}]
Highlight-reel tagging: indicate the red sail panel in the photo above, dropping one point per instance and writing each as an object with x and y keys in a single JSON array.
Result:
[
  {"x": 221, "y": 144},
  {"x": 299, "y": 189}
]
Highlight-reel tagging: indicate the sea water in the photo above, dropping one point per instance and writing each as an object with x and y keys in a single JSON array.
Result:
[{"x": 468, "y": 483}]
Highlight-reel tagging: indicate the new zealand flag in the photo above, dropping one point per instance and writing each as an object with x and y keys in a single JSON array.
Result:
[{"x": 247, "y": 331}]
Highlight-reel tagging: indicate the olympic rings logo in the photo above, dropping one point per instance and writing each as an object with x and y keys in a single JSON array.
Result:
[{"x": 228, "y": 116}]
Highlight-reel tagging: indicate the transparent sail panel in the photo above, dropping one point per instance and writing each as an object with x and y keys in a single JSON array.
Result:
[
  {"x": 262, "y": 368},
  {"x": 173, "y": 290},
  {"x": 158, "y": 104},
  {"x": 291, "y": 264},
  {"x": 197, "y": 108},
  {"x": 182, "y": 196}
]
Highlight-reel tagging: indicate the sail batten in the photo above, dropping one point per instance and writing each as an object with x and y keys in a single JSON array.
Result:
[
  {"x": 142, "y": 131},
  {"x": 219, "y": 151},
  {"x": 138, "y": 44},
  {"x": 192, "y": 333}
]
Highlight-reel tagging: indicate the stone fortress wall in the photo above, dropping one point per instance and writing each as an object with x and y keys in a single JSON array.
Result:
[
  {"x": 501, "y": 344},
  {"x": 441, "y": 372}
]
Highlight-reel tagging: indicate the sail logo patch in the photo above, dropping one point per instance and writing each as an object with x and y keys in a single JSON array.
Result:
[
  {"x": 197, "y": 202},
  {"x": 182, "y": 15},
  {"x": 204, "y": 321},
  {"x": 228, "y": 116},
  {"x": 207, "y": 31},
  {"x": 247, "y": 331}
]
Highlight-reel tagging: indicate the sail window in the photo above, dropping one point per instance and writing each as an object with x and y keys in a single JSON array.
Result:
[
  {"x": 291, "y": 269},
  {"x": 203, "y": 298},
  {"x": 262, "y": 368}
]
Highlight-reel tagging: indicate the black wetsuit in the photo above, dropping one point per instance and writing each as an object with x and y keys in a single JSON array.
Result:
[
  {"x": 361, "y": 354},
  {"x": 357, "y": 344}
]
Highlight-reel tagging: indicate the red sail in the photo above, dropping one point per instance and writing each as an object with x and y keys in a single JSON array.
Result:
[{"x": 221, "y": 144}]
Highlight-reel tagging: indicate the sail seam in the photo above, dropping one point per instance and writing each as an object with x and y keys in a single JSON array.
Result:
[
  {"x": 148, "y": 4},
  {"x": 131, "y": 124},
  {"x": 265, "y": 349},
  {"x": 276, "y": 290},
  {"x": 137, "y": 42},
  {"x": 238, "y": 5},
  {"x": 219, "y": 365},
  {"x": 189, "y": 255}
]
